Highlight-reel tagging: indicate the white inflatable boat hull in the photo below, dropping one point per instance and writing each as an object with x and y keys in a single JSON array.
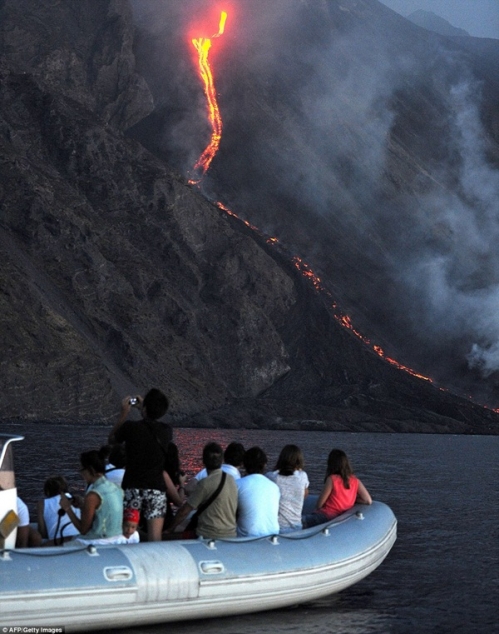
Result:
[{"x": 121, "y": 586}]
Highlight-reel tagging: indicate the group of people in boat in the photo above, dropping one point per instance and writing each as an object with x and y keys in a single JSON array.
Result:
[{"x": 136, "y": 489}]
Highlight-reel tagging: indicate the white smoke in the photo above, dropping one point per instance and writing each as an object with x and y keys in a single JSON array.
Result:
[{"x": 458, "y": 283}]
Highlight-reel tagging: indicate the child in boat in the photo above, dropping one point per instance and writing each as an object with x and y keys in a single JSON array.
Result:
[
  {"x": 131, "y": 519},
  {"x": 53, "y": 523},
  {"x": 342, "y": 489},
  {"x": 293, "y": 483}
]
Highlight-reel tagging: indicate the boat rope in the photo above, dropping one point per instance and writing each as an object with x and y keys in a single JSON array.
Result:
[
  {"x": 31, "y": 552},
  {"x": 293, "y": 536}
]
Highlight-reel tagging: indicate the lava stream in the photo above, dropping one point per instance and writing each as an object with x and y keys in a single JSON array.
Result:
[{"x": 203, "y": 46}]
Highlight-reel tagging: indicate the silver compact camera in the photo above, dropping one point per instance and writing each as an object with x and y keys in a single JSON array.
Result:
[{"x": 134, "y": 401}]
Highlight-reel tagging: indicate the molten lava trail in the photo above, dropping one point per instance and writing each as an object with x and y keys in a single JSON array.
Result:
[{"x": 203, "y": 46}]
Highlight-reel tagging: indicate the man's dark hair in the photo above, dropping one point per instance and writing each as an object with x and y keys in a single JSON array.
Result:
[
  {"x": 255, "y": 460},
  {"x": 213, "y": 456},
  {"x": 117, "y": 457},
  {"x": 156, "y": 403},
  {"x": 55, "y": 485},
  {"x": 92, "y": 462},
  {"x": 234, "y": 454}
]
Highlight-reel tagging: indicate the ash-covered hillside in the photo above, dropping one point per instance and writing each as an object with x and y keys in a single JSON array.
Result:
[{"x": 118, "y": 275}]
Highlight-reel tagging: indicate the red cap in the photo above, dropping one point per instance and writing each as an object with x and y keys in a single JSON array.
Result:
[{"x": 131, "y": 515}]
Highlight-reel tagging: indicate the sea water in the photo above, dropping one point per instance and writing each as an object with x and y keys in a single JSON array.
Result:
[{"x": 441, "y": 576}]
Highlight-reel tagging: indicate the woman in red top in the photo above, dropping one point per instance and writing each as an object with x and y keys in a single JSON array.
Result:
[{"x": 341, "y": 491}]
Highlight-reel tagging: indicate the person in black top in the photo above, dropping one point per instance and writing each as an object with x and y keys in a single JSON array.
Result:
[{"x": 146, "y": 480}]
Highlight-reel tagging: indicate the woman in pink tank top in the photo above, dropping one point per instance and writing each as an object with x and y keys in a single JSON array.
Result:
[{"x": 342, "y": 489}]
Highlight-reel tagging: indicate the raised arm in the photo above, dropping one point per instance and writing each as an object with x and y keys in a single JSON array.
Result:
[{"x": 125, "y": 411}]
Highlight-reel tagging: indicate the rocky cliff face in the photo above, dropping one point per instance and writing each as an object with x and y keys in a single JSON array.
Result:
[{"x": 117, "y": 275}]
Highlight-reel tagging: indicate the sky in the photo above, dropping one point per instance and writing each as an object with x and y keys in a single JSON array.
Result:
[{"x": 479, "y": 18}]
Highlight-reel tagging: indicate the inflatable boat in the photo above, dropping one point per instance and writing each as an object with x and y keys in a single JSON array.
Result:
[{"x": 104, "y": 587}]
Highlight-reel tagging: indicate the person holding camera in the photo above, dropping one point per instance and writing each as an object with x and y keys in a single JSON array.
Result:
[{"x": 146, "y": 480}]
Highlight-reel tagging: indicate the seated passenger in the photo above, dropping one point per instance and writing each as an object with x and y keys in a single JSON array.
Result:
[
  {"x": 214, "y": 498},
  {"x": 131, "y": 519},
  {"x": 53, "y": 523},
  {"x": 258, "y": 505},
  {"x": 26, "y": 534},
  {"x": 293, "y": 484},
  {"x": 342, "y": 489},
  {"x": 114, "y": 457},
  {"x": 102, "y": 511},
  {"x": 232, "y": 464}
]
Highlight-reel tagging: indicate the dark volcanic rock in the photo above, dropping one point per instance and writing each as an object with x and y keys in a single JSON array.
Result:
[{"x": 117, "y": 275}]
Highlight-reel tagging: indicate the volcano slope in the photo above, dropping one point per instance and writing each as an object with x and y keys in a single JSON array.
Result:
[
  {"x": 117, "y": 275},
  {"x": 368, "y": 146}
]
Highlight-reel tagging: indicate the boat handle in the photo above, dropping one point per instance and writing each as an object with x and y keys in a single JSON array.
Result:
[
  {"x": 211, "y": 567},
  {"x": 117, "y": 573}
]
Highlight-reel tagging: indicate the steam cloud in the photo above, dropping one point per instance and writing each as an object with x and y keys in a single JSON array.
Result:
[{"x": 334, "y": 98}]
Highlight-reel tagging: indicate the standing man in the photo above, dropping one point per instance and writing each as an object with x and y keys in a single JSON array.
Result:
[
  {"x": 258, "y": 506},
  {"x": 145, "y": 446}
]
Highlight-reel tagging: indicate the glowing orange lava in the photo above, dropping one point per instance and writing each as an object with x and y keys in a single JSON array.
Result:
[
  {"x": 346, "y": 322},
  {"x": 203, "y": 46},
  {"x": 307, "y": 272}
]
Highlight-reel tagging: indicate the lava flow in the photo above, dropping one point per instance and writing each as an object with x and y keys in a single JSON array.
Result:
[
  {"x": 203, "y": 46},
  {"x": 346, "y": 321}
]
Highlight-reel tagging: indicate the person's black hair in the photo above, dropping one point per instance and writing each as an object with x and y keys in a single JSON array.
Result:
[
  {"x": 93, "y": 462},
  {"x": 290, "y": 460},
  {"x": 172, "y": 462},
  {"x": 105, "y": 451},
  {"x": 255, "y": 460},
  {"x": 156, "y": 403},
  {"x": 234, "y": 454},
  {"x": 55, "y": 485},
  {"x": 117, "y": 457},
  {"x": 213, "y": 456},
  {"x": 338, "y": 464}
]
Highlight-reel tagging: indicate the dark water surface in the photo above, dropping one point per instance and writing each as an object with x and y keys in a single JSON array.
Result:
[{"x": 443, "y": 572}]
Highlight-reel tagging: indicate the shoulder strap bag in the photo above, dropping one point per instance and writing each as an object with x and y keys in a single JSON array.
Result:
[{"x": 193, "y": 523}]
